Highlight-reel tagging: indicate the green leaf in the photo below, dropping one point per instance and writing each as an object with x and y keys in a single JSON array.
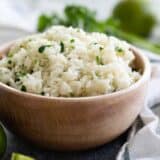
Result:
[
  {"x": 75, "y": 16},
  {"x": 45, "y": 21}
]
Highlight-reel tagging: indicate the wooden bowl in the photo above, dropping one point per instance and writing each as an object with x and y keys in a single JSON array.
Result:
[{"x": 73, "y": 123}]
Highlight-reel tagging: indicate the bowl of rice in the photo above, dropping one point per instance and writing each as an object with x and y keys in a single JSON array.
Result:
[{"x": 66, "y": 89}]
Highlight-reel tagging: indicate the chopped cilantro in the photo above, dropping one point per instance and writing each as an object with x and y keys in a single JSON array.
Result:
[
  {"x": 8, "y": 83},
  {"x": 22, "y": 46},
  {"x": 10, "y": 54},
  {"x": 18, "y": 75},
  {"x": 71, "y": 94},
  {"x": 23, "y": 88},
  {"x": 101, "y": 48},
  {"x": 62, "y": 47},
  {"x": 42, "y": 48},
  {"x": 17, "y": 79},
  {"x": 72, "y": 47},
  {"x": 31, "y": 71},
  {"x": 9, "y": 61},
  {"x": 99, "y": 60},
  {"x": 119, "y": 49},
  {"x": 21, "y": 74},
  {"x": 97, "y": 74},
  {"x": 43, "y": 93},
  {"x": 72, "y": 40}
]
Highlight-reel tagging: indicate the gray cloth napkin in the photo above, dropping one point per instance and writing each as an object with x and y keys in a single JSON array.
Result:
[{"x": 144, "y": 140}]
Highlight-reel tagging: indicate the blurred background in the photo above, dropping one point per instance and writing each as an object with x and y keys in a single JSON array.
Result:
[
  {"x": 136, "y": 21},
  {"x": 25, "y": 12}
]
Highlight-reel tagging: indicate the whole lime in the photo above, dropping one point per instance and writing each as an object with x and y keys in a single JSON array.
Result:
[
  {"x": 135, "y": 16},
  {"x": 3, "y": 141}
]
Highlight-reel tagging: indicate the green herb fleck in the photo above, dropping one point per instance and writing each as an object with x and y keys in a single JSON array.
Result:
[
  {"x": 42, "y": 48},
  {"x": 31, "y": 71},
  {"x": 97, "y": 74},
  {"x": 8, "y": 83},
  {"x": 119, "y": 49},
  {"x": 21, "y": 74},
  {"x": 10, "y": 54},
  {"x": 99, "y": 60},
  {"x": 9, "y": 61},
  {"x": 71, "y": 94},
  {"x": 72, "y": 40},
  {"x": 17, "y": 79},
  {"x": 62, "y": 47},
  {"x": 72, "y": 47},
  {"x": 23, "y": 88},
  {"x": 43, "y": 93},
  {"x": 22, "y": 46},
  {"x": 35, "y": 61},
  {"x": 101, "y": 48}
]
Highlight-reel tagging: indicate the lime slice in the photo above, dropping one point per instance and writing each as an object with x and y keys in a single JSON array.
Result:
[
  {"x": 17, "y": 156},
  {"x": 3, "y": 141}
]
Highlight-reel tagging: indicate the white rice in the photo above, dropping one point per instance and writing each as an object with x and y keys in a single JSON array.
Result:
[{"x": 68, "y": 62}]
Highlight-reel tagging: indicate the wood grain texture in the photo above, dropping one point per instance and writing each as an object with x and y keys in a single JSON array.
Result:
[{"x": 73, "y": 123}]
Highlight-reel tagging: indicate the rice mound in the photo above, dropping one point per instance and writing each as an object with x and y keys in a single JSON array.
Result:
[{"x": 68, "y": 62}]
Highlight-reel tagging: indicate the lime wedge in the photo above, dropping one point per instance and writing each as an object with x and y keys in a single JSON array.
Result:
[
  {"x": 3, "y": 141},
  {"x": 17, "y": 156}
]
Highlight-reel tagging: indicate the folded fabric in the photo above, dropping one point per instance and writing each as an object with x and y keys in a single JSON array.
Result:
[{"x": 144, "y": 140}]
